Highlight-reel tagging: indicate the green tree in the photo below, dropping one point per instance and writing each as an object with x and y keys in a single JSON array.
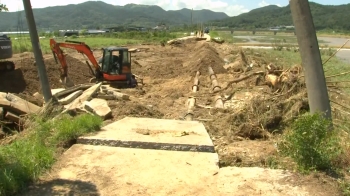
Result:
[{"x": 3, "y": 8}]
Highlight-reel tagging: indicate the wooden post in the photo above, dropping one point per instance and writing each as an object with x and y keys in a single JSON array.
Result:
[{"x": 311, "y": 57}]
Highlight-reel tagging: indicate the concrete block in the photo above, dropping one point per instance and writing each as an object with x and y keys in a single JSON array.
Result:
[
  {"x": 148, "y": 133},
  {"x": 71, "y": 97},
  {"x": 99, "y": 107}
]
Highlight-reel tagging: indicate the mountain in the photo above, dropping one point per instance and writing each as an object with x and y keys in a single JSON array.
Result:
[
  {"x": 93, "y": 14},
  {"x": 324, "y": 16}
]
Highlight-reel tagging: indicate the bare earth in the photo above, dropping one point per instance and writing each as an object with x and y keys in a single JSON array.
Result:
[{"x": 241, "y": 133}]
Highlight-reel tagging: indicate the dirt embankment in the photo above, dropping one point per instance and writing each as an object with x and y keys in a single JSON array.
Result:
[
  {"x": 25, "y": 78},
  {"x": 256, "y": 107}
]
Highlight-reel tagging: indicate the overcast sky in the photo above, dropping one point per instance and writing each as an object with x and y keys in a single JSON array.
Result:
[{"x": 230, "y": 7}]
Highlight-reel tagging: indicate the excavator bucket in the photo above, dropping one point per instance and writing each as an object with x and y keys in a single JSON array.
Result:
[{"x": 66, "y": 82}]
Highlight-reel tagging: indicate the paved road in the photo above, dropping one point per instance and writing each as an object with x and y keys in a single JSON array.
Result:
[
  {"x": 331, "y": 41},
  {"x": 344, "y": 55}
]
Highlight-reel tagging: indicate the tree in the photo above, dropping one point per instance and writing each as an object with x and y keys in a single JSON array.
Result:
[{"x": 3, "y": 8}]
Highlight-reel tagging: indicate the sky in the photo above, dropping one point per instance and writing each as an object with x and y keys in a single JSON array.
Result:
[{"x": 230, "y": 7}]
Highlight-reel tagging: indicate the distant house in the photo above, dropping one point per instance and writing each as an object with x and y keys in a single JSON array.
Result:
[
  {"x": 63, "y": 33},
  {"x": 95, "y": 31},
  {"x": 160, "y": 28}
]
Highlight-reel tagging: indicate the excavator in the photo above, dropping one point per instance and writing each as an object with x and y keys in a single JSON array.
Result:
[
  {"x": 113, "y": 68},
  {"x": 6, "y": 53}
]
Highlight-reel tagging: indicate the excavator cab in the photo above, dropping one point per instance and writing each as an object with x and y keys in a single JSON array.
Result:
[
  {"x": 116, "y": 65},
  {"x": 116, "y": 61}
]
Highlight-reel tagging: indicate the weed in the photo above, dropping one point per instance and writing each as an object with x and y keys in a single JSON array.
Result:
[
  {"x": 311, "y": 144},
  {"x": 25, "y": 159}
]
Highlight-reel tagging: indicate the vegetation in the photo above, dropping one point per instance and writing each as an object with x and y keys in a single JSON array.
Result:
[
  {"x": 3, "y": 8},
  {"x": 97, "y": 14},
  {"x": 24, "y": 160},
  {"x": 326, "y": 17},
  {"x": 23, "y": 44},
  {"x": 311, "y": 143}
]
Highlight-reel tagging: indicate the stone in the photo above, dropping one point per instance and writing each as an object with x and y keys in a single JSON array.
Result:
[
  {"x": 71, "y": 97},
  {"x": 99, "y": 107}
]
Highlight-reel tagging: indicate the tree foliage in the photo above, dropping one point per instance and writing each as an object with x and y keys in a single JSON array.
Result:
[
  {"x": 3, "y": 8},
  {"x": 92, "y": 14},
  {"x": 324, "y": 17}
]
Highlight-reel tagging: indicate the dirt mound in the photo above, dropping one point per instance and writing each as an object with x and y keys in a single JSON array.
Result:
[
  {"x": 132, "y": 109},
  {"x": 202, "y": 56},
  {"x": 25, "y": 79},
  {"x": 173, "y": 62}
]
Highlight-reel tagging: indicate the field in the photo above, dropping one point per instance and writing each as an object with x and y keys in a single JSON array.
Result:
[{"x": 251, "y": 128}]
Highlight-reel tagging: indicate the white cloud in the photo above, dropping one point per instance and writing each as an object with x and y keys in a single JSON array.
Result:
[
  {"x": 214, "y": 5},
  {"x": 263, "y": 3},
  {"x": 231, "y": 9}
]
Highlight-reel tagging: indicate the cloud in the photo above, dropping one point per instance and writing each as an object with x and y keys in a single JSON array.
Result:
[
  {"x": 214, "y": 5},
  {"x": 263, "y": 3},
  {"x": 231, "y": 9}
]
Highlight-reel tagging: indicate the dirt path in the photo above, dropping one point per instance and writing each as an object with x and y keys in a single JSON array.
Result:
[{"x": 243, "y": 132}]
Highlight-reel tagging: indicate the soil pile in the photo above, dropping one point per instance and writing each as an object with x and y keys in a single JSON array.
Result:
[
  {"x": 25, "y": 79},
  {"x": 202, "y": 56},
  {"x": 182, "y": 60}
]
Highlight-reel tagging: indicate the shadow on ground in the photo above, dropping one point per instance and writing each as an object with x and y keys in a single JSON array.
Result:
[{"x": 61, "y": 187}]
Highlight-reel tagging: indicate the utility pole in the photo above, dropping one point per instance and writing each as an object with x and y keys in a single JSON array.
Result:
[
  {"x": 192, "y": 18},
  {"x": 45, "y": 85},
  {"x": 311, "y": 57}
]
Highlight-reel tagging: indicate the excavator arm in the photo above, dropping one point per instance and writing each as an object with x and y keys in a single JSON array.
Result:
[{"x": 80, "y": 47}]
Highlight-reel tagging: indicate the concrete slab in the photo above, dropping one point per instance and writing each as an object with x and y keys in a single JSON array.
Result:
[
  {"x": 102, "y": 170},
  {"x": 149, "y": 133}
]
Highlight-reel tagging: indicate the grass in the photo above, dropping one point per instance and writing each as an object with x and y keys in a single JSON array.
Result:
[
  {"x": 24, "y": 160},
  {"x": 23, "y": 43}
]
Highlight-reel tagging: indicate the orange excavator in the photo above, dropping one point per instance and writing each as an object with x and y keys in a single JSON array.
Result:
[{"x": 113, "y": 68}]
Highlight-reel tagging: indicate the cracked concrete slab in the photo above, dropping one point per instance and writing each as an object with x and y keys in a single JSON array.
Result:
[{"x": 149, "y": 133}]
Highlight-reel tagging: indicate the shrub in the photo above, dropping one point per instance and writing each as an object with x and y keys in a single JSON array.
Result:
[{"x": 311, "y": 143}]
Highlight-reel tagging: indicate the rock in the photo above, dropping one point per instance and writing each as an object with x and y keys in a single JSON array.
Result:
[
  {"x": 99, "y": 107},
  {"x": 86, "y": 96},
  {"x": 38, "y": 96},
  {"x": 12, "y": 117},
  {"x": 57, "y": 90},
  {"x": 121, "y": 96},
  {"x": 71, "y": 97}
]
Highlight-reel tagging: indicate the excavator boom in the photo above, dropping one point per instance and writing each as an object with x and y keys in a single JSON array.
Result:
[{"x": 80, "y": 47}]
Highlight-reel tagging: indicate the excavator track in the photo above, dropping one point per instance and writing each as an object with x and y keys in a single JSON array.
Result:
[{"x": 7, "y": 66}]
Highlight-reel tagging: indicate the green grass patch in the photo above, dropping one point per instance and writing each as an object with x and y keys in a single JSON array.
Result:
[
  {"x": 23, "y": 44},
  {"x": 24, "y": 160}
]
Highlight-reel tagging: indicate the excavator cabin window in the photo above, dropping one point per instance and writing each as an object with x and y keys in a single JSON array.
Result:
[{"x": 115, "y": 61}]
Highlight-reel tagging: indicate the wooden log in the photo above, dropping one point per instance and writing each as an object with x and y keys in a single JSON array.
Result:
[{"x": 215, "y": 85}]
